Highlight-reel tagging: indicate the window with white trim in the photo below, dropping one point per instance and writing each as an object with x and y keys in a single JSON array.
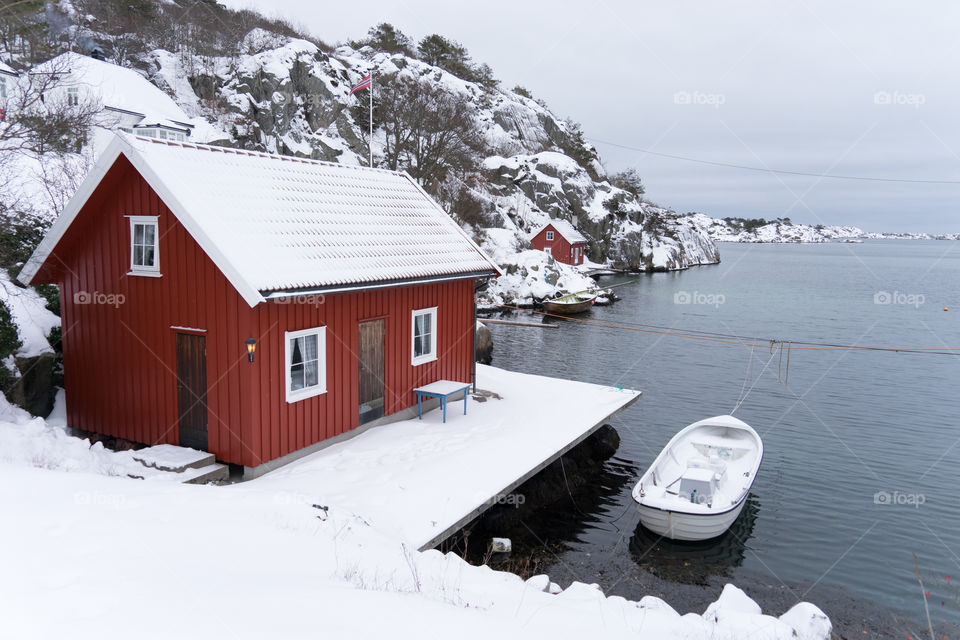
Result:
[
  {"x": 550, "y": 235},
  {"x": 73, "y": 96},
  {"x": 306, "y": 363},
  {"x": 3, "y": 88},
  {"x": 424, "y": 336},
  {"x": 144, "y": 245}
]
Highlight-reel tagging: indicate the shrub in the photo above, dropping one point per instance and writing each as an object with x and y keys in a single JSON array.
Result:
[
  {"x": 628, "y": 180},
  {"x": 20, "y": 233},
  {"x": 523, "y": 91},
  {"x": 54, "y": 338},
  {"x": 386, "y": 37},
  {"x": 52, "y": 295}
]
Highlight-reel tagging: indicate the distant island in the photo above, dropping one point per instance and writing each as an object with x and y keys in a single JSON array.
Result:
[{"x": 783, "y": 230}]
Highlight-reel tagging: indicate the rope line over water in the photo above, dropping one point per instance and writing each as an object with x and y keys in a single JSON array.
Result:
[{"x": 747, "y": 341}]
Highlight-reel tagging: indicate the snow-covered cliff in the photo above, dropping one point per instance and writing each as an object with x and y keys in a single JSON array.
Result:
[{"x": 292, "y": 96}]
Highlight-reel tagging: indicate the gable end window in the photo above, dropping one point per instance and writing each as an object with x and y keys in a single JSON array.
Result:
[
  {"x": 550, "y": 235},
  {"x": 424, "y": 336},
  {"x": 144, "y": 246},
  {"x": 306, "y": 363}
]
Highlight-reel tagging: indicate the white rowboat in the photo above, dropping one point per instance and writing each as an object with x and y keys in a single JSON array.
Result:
[{"x": 697, "y": 486}]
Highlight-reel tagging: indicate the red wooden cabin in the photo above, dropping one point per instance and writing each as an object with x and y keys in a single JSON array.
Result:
[
  {"x": 350, "y": 286},
  {"x": 561, "y": 239}
]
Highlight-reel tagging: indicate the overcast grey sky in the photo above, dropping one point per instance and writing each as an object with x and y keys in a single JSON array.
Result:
[{"x": 853, "y": 88}]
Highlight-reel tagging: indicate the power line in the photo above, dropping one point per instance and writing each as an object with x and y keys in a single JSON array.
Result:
[{"x": 730, "y": 165}]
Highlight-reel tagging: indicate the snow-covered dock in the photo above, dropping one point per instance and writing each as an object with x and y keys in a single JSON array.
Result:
[{"x": 426, "y": 479}]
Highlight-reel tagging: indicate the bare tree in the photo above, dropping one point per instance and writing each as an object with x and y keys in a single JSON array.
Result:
[
  {"x": 429, "y": 131},
  {"x": 40, "y": 116}
]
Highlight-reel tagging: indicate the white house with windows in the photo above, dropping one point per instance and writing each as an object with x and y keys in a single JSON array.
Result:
[
  {"x": 7, "y": 77},
  {"x": 130, "y": 102}
]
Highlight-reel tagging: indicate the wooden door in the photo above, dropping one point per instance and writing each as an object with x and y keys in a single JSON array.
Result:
[
  {"x": 371, "y": 370},
  {"x": 192, "y": 390}
]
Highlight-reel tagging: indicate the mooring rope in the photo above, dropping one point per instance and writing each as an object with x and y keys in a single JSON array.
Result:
[{"x": 723, "y": 338}]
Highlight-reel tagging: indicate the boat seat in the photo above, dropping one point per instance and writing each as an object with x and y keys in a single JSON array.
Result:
[
  {"x": 719, "y": 451},
  {"x": 713, "y": 464}
]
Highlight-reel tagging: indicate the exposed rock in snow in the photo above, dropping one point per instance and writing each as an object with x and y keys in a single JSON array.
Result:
[
  {"x": 622, "y": 230},
  {"x": 530, "y": 276}
]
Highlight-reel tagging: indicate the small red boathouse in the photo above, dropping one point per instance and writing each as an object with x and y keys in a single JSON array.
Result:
[
  {"x": 561, "y": 239},
  {"x": 249, "y": 304}
]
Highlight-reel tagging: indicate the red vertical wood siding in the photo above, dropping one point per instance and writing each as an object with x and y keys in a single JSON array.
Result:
[{"x": 119, "y": 349}]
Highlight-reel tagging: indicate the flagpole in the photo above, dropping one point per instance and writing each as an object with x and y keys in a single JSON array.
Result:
[{"x": 371, "y": 119}]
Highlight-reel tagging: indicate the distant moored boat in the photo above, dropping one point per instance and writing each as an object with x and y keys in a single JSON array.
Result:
[{"x": 570, "y": 304}]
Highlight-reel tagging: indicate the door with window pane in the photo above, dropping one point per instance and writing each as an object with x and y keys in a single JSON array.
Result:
[{"x": 371, "y": 370}]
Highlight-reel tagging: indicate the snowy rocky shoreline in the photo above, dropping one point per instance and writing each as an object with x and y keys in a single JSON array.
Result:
[{"x": 785, "y": 231}]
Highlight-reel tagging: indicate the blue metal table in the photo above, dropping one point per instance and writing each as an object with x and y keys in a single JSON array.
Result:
[{"x": 442, "y": 389}]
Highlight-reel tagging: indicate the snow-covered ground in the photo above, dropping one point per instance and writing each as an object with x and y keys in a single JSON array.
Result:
[
  {"x": 29, "y": 312},
  {"x": 478, "y": 455},
  {"x": 322, "y": 547}
]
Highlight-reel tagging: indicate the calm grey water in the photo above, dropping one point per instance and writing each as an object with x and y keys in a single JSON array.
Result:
[{"x": 862, "y": 463}]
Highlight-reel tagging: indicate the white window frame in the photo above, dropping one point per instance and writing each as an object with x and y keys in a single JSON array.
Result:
[
  {"x": 416, "y": 360},
  {"x": 548, "y": 251},
  {"x": 549, "y": 236},
  {"x": 73, "y": 96},
  {"x": 140, "y": 270},
  {"x": 3, "y": 87},
  {"x": 321, "y": 386}
]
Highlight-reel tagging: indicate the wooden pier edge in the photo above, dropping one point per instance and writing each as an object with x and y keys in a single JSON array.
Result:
[{"x": 492, "y": 500}]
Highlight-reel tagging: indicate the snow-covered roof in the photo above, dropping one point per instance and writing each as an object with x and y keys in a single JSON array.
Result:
[
  {"x": 565, "y": 229},
  {"x": 4, "y": 68},
  {"x": 278, "y": 224},
  {"x": 117, "y": 88}
]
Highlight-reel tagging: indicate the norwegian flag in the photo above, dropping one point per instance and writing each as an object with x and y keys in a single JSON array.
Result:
[{"x": 363, "y": 84}]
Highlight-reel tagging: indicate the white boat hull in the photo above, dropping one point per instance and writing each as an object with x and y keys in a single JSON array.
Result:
[{"x": 688, "y": 527}]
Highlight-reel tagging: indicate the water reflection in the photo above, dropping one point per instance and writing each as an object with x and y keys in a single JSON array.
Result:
[{"x": 695, "y": 562}]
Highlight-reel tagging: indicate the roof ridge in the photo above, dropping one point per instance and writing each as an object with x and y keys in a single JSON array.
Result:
[{"x": 262, "y": 154}]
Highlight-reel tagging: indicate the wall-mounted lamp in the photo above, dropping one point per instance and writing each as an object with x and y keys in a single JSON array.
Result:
[{"x": 251, "y": 348}]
